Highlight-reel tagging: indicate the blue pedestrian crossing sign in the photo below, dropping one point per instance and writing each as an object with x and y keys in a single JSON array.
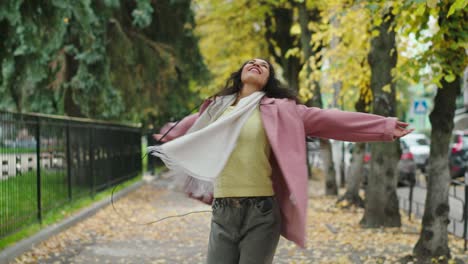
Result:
[{"x": 420, "y": 106}]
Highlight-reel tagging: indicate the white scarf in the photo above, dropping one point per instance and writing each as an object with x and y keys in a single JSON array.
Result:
[{"x": 203, "y": 151}]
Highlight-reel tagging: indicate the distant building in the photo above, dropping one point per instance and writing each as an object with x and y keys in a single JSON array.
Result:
[
  {"x": 461, "y": 114},
  {"x": 420, "y": 107}
]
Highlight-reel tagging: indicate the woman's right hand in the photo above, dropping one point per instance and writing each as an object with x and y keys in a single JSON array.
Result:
[
  {"x": 401, "y": 130},
  {"x": 158, "y": 138}
]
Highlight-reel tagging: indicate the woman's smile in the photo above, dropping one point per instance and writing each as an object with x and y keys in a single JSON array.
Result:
[
  {"x": 255, "y": 69},
  {"x": 255, "y": 72}
]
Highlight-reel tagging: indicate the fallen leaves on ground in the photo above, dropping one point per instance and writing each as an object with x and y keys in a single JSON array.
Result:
[{"x": 334, "y": 235}]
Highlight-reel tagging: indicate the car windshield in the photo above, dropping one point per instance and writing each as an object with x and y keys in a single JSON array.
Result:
[
  {"x": 465, "y": 140},
  {"x": 414, "y": 141},
  {"x": 404, "y": 146}
]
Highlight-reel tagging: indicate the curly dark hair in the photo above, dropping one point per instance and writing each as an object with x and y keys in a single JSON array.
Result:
[{"x": 273, "y": 87}]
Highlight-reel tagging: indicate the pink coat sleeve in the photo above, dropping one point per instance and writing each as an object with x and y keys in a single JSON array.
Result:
[
  {"x": 347, "y": 126},
  {"x": 179, "y": 129}
]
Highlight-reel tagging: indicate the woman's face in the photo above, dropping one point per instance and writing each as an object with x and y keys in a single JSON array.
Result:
[{"x": 256, "y": 72}]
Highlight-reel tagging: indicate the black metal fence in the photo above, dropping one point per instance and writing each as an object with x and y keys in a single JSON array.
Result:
[
  {"x": 46, "y": 162},
  {"x": 458, "y": 197}
]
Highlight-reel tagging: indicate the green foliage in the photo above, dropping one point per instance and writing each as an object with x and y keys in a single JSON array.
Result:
[
  {"x": 457, "y": 5},
  {"x": 112, "y": 3},
  {"x": 345, "y": 31},
  {"x": 33, "y": 34},
  {"x": 142, "y": 15},
  {"x": 230, "y": 34},
  {"x": 110, "y": 59},
  {"x": 139, "y": 60},
  {"x": 440, "y": 29}
]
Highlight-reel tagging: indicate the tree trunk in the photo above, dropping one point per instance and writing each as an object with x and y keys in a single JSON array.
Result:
[
  {"x": 16, "y": 95},
  {"x": 331, "y": 188},
  {"x": 278, "y": 26},
  {"x": 16, "y": 84},
  {"x": 355, "y": 171},
  {"x": 304, "y": 18},
  {"x": 433, "y": 240},
  {"x": 465, "y": 88},
  {"x": 71, "y": 108},
  {"x": 353, "y": 181},
  {"x": 381, "y": 208},
  {"x": 335, "y": 40}
]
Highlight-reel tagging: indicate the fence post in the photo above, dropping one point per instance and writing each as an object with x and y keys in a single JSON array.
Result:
[
  {"x": 69, "y": 161},
  {"x": 38, "y": 170},
  {"x": 465, "y": 211},
  {"x": 410, "y": 209},
  {"x": 342, "y": 166},
  {"x": 91, "y": 161}
]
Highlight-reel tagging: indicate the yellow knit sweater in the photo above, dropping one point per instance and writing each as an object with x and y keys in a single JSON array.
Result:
[{"x": 247, "y": 171}]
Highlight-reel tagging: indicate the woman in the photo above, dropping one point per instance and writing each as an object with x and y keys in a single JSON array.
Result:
[{"x": 246, "y": 149}]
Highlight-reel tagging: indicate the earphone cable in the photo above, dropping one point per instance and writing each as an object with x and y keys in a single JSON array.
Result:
[{"x": 159, "y": 141}]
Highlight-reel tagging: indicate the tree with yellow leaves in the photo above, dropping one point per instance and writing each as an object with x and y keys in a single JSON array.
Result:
[
  {"x": 341, "y": 43},
  {"x": 446, "y": 58}
]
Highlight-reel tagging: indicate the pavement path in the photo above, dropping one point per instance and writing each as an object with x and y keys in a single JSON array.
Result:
[{"x": 107, "y": 237}]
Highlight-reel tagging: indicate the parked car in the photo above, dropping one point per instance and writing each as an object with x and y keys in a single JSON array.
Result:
[
  {"x": 419, "y": 146},
  {"x": 458, "y": 156},
  {"x": 406, "y": 165}
]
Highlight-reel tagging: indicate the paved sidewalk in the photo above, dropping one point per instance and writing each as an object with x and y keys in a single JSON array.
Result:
[{"x": 107, "y": 237}]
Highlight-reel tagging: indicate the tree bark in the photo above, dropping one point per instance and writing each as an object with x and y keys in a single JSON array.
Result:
[
  {"x": 433, "y": 239},
  {"x": 16, "y": 84},
  {"x": 353, "y": 181},
  {"x": 381, "y": 208},
  {"x": 278, "y": 26},
  {"x": 304, "y": 20},
  {"x": 355, "y": 171},
  {"x": 71, "y": 108},
  {"x": 305, "y": 16},
  {"x": 331, "y": 188},
  {"x": 465, "y": 88},
  {"x": 16, "y": 95}
]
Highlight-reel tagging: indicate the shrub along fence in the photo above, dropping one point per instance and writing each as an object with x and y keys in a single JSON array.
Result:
[{"x": 48, "y": 161}]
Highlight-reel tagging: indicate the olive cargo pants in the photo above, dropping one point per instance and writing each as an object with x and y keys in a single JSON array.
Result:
[{"x": 244, "y": 230}]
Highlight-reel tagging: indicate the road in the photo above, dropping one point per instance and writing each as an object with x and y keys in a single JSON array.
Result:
[{"x": 456, "y": 203}]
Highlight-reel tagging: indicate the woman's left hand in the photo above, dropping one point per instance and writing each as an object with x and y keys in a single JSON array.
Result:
[{"x": 400, "y": 130}]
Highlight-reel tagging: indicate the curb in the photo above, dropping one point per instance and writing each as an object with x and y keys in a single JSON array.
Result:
[{"x": 10, "y": 253}]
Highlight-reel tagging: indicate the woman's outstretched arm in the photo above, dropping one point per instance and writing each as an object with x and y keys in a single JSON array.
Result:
[
  {"x": 178, "y": 129},
  {"x": 350, "y": 126}
]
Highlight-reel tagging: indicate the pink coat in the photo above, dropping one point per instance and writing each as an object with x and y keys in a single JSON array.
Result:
[{"x": 287, "y": 124}]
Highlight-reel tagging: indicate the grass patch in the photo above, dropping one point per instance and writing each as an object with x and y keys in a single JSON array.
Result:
[
  {"x": 19, "y": 201},
  {"x": 4, "y": 150},
  {"x": 58, "y": 214}
]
